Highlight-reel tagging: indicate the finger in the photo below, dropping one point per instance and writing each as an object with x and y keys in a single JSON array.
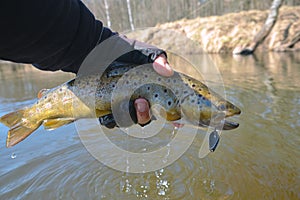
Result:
[
  {"x": 142, "y": 110},
  {"x": 162, "y": 67}
]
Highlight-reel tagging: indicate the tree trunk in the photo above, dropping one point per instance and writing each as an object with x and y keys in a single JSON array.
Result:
[
  {"x": 107, "y": 13},
  {"x": 264, "y": 32},
  {"x": 130, "y": 15}
]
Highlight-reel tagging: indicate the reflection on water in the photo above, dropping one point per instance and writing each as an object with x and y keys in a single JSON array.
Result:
[{"x": 259, "y": 160}]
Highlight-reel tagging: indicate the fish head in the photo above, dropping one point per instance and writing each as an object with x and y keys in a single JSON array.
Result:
[
  {"x": 228, "y": 108},
  {"x": 203, "y": 112}
]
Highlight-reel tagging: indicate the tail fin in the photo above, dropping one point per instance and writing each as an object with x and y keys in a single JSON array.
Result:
[
  {"x": 20, "y": 128},
  {"x": 13, "y": 118}
]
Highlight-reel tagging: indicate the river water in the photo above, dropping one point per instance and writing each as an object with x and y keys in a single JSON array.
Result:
[{"x": 258, "y": 160}]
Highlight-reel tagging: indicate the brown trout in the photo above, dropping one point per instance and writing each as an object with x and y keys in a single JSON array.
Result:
[{"x": 99, "y": 95}]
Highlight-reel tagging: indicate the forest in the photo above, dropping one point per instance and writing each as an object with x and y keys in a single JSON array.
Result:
[{"x": 122, "y": 15}]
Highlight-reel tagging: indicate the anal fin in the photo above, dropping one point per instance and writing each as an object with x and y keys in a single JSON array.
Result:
[{"x": 51, "y": 124}]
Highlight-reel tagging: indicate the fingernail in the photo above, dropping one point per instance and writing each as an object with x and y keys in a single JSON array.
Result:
[{"x": 141, "y": 107}]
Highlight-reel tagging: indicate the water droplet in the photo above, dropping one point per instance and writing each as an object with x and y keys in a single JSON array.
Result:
[
  {"x": 13, "y": 156},
  {"x": 161, "y": 193}
]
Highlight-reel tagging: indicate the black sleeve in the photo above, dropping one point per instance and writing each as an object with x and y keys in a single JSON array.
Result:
[
  {"x": 51, "y": 34},
  {"x": 56, "y": 34}
]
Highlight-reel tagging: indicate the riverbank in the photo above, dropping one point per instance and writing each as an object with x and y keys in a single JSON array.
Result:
[{"x": 222, "y": 34}]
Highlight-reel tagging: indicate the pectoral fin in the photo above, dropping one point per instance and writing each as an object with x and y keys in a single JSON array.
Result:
[
  {"x": 101, "y": 113},
  {"x": 51, "y": 124}
]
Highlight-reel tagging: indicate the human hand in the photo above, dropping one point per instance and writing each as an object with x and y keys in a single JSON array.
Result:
[{"x": 162, "y": 67}]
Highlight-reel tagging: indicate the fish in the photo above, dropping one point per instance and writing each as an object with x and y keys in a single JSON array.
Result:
[{"x": 99, "y": 95}]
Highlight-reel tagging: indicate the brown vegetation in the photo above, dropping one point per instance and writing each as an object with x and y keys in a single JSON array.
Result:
[{"x": 220, "y": 34}]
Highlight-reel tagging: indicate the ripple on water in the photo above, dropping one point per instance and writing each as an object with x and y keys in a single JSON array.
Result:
[{"x": 256, "y": 161}]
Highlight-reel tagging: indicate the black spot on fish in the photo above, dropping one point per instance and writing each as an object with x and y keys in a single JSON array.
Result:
[
  {"x": 146, "y": 76},
  {"x": 159, "y": 79},
  {"x": 60, "y": 89},
  {"x": 189, "y": 79},
  {"x": 193, "y": 85},
  {"x": 199, "y": 95},
  {"x": 156, "y": 95},
  {"x": 113, "y": 85},
  {"x": 169, "y": 103},
  {"x": 222, "y": 107},
  {"x": 200, "y": 89},
  {"x": 148, "y": 88},
  {"x": 165, "y": 90}
]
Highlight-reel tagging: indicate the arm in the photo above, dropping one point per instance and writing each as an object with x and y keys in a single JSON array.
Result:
[
  {"x": 52, "y": 35},
  {"x": 58, "y": 35}
]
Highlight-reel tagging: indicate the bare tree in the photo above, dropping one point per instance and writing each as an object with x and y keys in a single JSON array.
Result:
[
  {"x": 130, "y": 15},
  {"x": 264, "y": 32},
  {"x": 107, "y": 13}
]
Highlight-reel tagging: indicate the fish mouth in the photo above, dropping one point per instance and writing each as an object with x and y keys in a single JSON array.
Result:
[{"x": 220, "y": 121}]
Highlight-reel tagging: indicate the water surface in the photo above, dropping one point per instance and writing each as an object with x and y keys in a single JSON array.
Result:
[{"x": 259, "y": 160}]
